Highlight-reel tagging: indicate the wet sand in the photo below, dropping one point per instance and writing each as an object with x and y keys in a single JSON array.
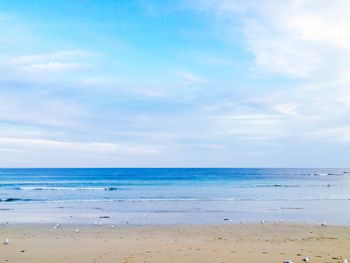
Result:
[{"x": 264, "y": 243}]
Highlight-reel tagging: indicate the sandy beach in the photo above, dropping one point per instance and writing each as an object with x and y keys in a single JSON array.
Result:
[{"x": 180, "y": 243}]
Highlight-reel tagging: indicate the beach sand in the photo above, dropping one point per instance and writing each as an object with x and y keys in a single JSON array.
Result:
[{"x": 182, "y": 243}]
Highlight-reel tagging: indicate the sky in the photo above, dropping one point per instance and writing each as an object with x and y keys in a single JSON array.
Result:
[{"x": 196, "y": 83}]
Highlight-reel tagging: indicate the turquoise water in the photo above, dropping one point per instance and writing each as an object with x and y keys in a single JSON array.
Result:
[{"x": 170, "y": 196}]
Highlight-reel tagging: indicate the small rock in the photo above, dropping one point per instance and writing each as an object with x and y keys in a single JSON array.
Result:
[{"x": 306, "y": 259}]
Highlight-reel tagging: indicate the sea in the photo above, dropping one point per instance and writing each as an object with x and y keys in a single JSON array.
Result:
[{"x": 148, "y": 196}]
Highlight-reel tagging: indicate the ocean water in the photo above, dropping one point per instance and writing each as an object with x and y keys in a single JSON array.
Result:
[{"x": 174, "y": 196}]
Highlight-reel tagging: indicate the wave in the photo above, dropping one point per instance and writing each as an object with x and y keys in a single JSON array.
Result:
[
  {"x": 113, "y": 188},
  {"x": 275, "y": 185},
  {"x": 343, "y": 174},
  {"x": 48, "y": 188},
  {"x": 180, "y": 199},
  {"x": 293, "y": 185},
  {"x": 12, "y": 199}
]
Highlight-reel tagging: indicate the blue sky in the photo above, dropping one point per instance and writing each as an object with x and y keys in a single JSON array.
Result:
[{"x": 199, "y": 83}]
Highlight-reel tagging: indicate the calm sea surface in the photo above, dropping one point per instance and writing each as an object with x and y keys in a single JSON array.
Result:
[{"x": 171, "y": 196}]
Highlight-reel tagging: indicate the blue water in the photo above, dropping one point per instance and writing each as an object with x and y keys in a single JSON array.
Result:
[{"x": 157, "y": 196}]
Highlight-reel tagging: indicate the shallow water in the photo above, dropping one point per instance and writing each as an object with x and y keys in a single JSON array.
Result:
[{"x": 158, "y": 196}]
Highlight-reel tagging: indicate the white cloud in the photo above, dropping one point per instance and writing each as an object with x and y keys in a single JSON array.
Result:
[
  {"x": 73, "y": 104},
  {"x": 299, "y": 38},
  {"x": 307, "y": 41},
  {"x": 293, "y": 37},
  {"x": 286, "y": 109}
]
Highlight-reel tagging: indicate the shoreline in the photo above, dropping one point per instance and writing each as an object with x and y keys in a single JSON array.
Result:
[
  {"x": 169, "y": 213},
  {"x": 175, "y": 243},
  {"x": 131, "y": 225}
]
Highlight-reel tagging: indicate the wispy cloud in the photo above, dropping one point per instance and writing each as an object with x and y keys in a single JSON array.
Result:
[
  {"x": 216, "y": 82},
  {"x": 294, "y": 38},
  {"x": 61, "y": 55},
  {"x": 53, "y": 67},
  {"x": 187, "y": 78},
  {"x": 305, "y": 41},
  {"x": 336, "y": 134},
  {"x": 39, "y": 145}
]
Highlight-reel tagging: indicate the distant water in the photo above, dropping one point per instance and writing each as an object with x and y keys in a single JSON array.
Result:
[{"x": 170, "y": 196}]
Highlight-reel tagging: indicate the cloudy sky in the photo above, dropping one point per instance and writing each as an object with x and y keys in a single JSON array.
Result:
[{"x": 196, "y": 83}]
